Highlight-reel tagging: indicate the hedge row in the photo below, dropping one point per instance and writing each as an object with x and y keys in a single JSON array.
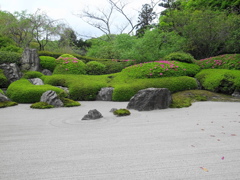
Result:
[
  {"x": 219, "y": 80},
  {"x": 22, "y": 91}
]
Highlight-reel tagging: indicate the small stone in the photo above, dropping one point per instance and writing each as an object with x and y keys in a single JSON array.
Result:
[{"x": 92, "y": 114}]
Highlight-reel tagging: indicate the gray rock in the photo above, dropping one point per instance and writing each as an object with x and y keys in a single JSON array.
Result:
[
  {"x": 47, "y": 72},
  {"x": 150, "y": 99},
  {"x": 3, "y": 98},
  {"x": 64, "y": 88},
  {"x": 236, "y": 93},
  {"x": 113, "y": 109},
  {"x": 30, "y": 60},
  {"x": 51, "y": 98},
  {"x": 92, "y": 114},
  {"x": 11, "y": 71},
  {"x": 105, "y": 94},
  {"x": 36, "y": 81}
]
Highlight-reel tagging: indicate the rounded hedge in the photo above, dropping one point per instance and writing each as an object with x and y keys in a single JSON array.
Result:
[
  {"x": 22, "y": 91},
  {"x": 48, "y": 62},
  {"x": 161, "y": 69},
  {"x": 32, "y": 74},
  {"x": 95, "y": 68},
  {"x": 69, "y": 65},
  {"x": 122, "y": 112},
  {"x": 124, "y": 92},
  {"x": 180, "y": 56},
  {"x": 219, "y": 80}
]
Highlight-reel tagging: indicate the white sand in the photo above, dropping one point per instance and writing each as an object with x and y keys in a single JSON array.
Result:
[{"x": 168, "y": 144}]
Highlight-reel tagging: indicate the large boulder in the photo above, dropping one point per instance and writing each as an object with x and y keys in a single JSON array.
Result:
[
  {"x": 36, "y": 81},
  {"x": 105, "y": 94},
  {"x": 11, "y": 71},
  {"x": 150, "y": 99},
  {"x": 30, "y": 60},
  {"x": 92, "y": 114},
  {"x": 51, "y": 98}
]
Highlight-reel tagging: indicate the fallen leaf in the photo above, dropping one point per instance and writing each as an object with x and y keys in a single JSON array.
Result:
[
  {"x": 192, "y": 145},
  {"x": 222, "y": 126},
  {"x": 223, "y": 158},
  {"x": 218, "y": 139},
  {"x": 212, "y": 122},
  {"x": 205, "y": 169},
  {"x": 202, "y": 129},
  {"x": 212, "y": 135},
  {"x": 233, "y": 135}
]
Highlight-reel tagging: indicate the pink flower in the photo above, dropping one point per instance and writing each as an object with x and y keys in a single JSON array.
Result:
[{"x": 160, "y": 74}]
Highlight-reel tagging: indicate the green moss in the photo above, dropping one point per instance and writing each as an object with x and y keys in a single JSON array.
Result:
[
  {"x": 70, "y": 103},
  {"x": 95, "y": 68},
  {"x": 3, "y": 80},
  {"x": 186, "y": 98},
  {"x": 7, "y": 104},
  {"x": 41, "y": 105},
  {"x": 122, "y": 112}
]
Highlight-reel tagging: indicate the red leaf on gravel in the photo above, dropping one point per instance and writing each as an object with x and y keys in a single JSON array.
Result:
[
  {"x": 222, "y": 158},
  {"x": 233, "y": 135},
  {"x": 205, "y": 169}
]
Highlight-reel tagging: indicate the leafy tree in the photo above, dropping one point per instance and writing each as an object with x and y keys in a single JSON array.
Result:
[{"x": 145, "y": 19}]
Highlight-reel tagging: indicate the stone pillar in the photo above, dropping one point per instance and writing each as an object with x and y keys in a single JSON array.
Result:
[{"x": 30, "y": 60}]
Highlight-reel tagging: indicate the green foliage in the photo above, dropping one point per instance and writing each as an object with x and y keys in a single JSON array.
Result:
[
  {"x": 180, "y": 56},
  {"x": 3, "y": 80},
  {"x": 161, "y": 69},
  {"x": 126, "y": 88},
  {"x": 7, "y": 104},
  {"x": 70, "y": 103},
  {"x": 1, "y": 91},
  {"x": 81, "y": 87},
  {"x": 48, "y": 62},
  {"x": 22, "y": 91},
  {"x": 219, "y": 80},
  {"x": 32, "y": 74},
  {"x": 67, "y": 56},
  {"x": 122, "y": 112},
  {"x": 95, "y": 68},
  {"x": 69, "y": 65},
  {"x": 9, "y": 57},
  {"x": 41, "y": 105},
  {"x": 226, "y": 61}
]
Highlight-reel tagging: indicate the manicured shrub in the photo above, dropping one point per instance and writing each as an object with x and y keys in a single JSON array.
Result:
[
  {"x": 3, "y": 80},
  {"x": 48, "y": 62},
  {"x": 95, "y": 68},
  {"x": 122, "y": 112},
  {"x": 7, "y": 104},
  {"x": 81, "y": 87},
  {"x": 161, "y": 69},
  {"x": 41, "y": 105},
  {"x": 219, "y": 80},
  {"x": 180, "y": 56},
  {"x": 226, "y": 61},
  {"x": 69, "y": 65},
  {"x": 32, "y": 74},
  {"x": 22, "y": 91},
  {"x": 9, "y": 57},
  {"x": 124, "y": 92}
]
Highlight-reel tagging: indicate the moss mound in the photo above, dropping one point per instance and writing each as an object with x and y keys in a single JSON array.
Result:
[
  {"x": 41, "y": 105},
  {"x": 122, "y": 112},
  {"x": 7, "y": 104}
]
